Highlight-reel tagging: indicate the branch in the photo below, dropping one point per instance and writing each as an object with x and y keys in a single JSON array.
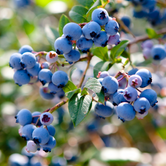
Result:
[
  {"x": 58, "y": 105},
  {"x": 162, "y": 4},
  {"x": 89, "y": 57},
  {"x": 143, "y": 38}
]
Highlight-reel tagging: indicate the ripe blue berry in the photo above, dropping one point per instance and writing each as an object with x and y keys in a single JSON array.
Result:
[
  {"x": 125, "y": 112},
  {"x": 27, "y": 131},
  {"x": 35, "y": 118},
  {"x": 146, "y": 77},
  {"x": 105, "y": 110},
  {"x": 25, "y": 48},
  {"x": 132, "y": 71},
  {"x": 45, "y": 65},
  {"x": 51, "y": 130},
  {"x": 109, "y": 85},
  {"x": 40, "y": 135},
  {"x": 24, "y": 117},
  {"x": 21, "y": 77},
  {"x": 118, "y": 97},
  {"x": 158, "y": 52},
  {"x": 150, "y": 95},
  {"x": 101, "y": 39},
  {"x": 112, "y": 27},
  {"x": 28, "y": 59},
  {"x": 100, "y": 16},
  {"x": 130, "y": 94},
  {"x": 46, "y": 118},
  {"x": 72, "y": 31},
  {"x": 45, "y": 94},
  {"x": 126, "y": 20},
  {"x": 45, "y": 76},
  {"x": 141, "y": 105},
  {"x": 91, "y": 30},
  {"x": 60, "y": 78},
  {"x": 49, "y": 145},
  {"x": 84, "y": 44},
  {"x": 15, "y": 60},
  {"x": 103, "y": 74},
  {"x": 53, "y": 88},
  {"x": 34, "y": 71},
  {"x": 72, "y": 56},
  {"x": 62, "y": 45}
]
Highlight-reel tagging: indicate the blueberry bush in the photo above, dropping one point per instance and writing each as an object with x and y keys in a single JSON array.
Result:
[{"x": 83, "y": 82}]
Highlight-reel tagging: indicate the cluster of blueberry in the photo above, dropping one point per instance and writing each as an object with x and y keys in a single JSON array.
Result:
[
  {"x": 27, "y": 69},
  {"x": 86, "y": 36},
  {"x": 157, "y": 52},
  {"x": 129, "y": 102},
  {"x": 37, "y": 130},
  {"x": 147, "y": 9}
]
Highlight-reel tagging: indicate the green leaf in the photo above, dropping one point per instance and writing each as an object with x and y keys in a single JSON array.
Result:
[
  {"x": 101, "y": 52},
  {"x": 42, "y": 3},
  {"x": 69, "y": 87},
  {"x": 79, "y": 106},
  {"x": 51, "y": 34},
  {"x": 62, "y": 22},
  {"x": 84, "y": 92},
  {"x": 98, "y": 3},
  {"x": 151, "y": 33},
  {"x": 117, "y": 50},
  {"x": 125, "y": 54},
  {"x": 71, "y": 93},
  {"x": 78, "y": 14},
  {"x": 93, "y": 84},
  {"x": 100, "y": 96},
  {"x": 86, "y": 3},
  {"x": 101, "y": 66}
]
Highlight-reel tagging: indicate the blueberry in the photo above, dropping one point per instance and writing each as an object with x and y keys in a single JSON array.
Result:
[
  {"x": 25, "y": 48},
  {"x": 45, "y": 94},
  {"x": 114, "y": 39},
  {"x": 72, "y": 31},
  {"x": 28, "y": 59},
  {"x": 103, "y": 74},
  {"x": 112, "y": 27},
  {"x": 105, "y": 110},
  {"x": 125, "y": 112},
  {"x": 109, "y": 85},
  {"x": 126, "y": 20},
  {"x": 100, "y": 16},
  {"x": 27, "y": 131},
  {"x": 146, "y": 77},
  {"x": 130, "y": 94},
  {"x": 84, "y": 44},
  {"x": 60, "y": 78},
  {"x": 35, "y": 118},
  {"x": 147, "y": 53},
  {"x": 24, "y": 117},
  {"x": 15, "y": 60},
  {"x": 45, "y": 76},
  {"x": 45, "y": 65},
  {"x": 150, "y": 95},
  {"x": 34, "y": 71},
  {"x": 101, "y": 39},
  {"x": 118, "y": 97},
  {"x": 58, "y": 161},
  {"x": 91, "y": 30},
  {"x": 51, "y": 57},
  {"x": 72, "y": 56},
  {"x": 62, "y": 45},
  {"x": 40, "y": 135},
  {"x": 135, "y": 81},
  {"x": 53, "y": 88},
  {"x": 49, "y": 145},
  {"x": 51, "y": 130},
  {"x": 140, "y": 14},
  {"x": 147, "y": 44},
  {"x": 141, "y": 105},
  {"x": 46, "y": 118},
  {"x": 132, "y": 71},
  {"x": 158, "y": 52}
]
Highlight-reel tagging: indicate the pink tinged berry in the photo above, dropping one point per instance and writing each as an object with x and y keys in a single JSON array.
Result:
[
  {"x": 135, "y": 81},
  {"x": 147, "y": 53},
  {"x": 46, "y": 118},
  {"x": 31, "y": 147},
  {"x": 51, "y": 57}
]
